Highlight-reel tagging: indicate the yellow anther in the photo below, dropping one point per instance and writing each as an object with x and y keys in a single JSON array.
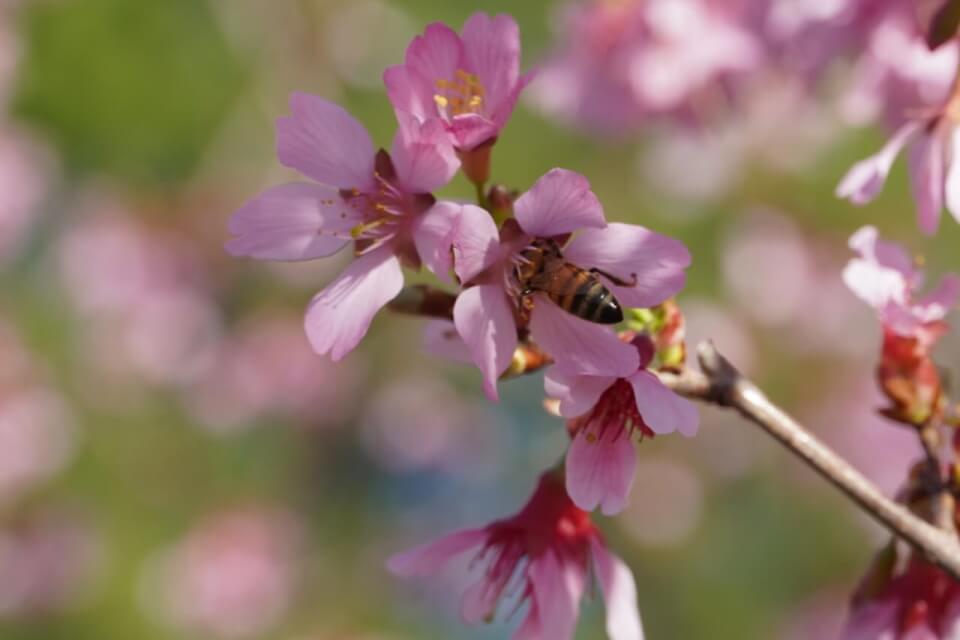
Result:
[
  {"x": 441, "y": 101},
  {"x": 360, "y": 229}
]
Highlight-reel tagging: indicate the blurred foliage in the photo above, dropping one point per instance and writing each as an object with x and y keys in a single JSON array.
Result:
[{"x": 133, "y": 90}]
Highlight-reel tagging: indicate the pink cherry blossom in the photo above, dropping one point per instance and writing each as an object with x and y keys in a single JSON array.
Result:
[
  {"x": 886, "y": 278},
  {"x": 233, "y": 576},
  {"x": 649, "y": 268},
  {"x": 921, "y": 603},
  {"x": 912, "y": 83},
  {"x": 546, "y": 550},
  {"x": 468, "y": 82},
  {"x": 605, "y": 412},
  {"x": 380, "y": 201},
  {"x": 623, "y": 61}
]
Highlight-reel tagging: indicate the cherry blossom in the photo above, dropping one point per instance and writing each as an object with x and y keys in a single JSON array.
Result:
[
  {"x": 380, "y": 202},
  {"x": 547, "y": 548}
]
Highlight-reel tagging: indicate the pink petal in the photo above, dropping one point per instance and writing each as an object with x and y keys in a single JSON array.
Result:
[
  {"x": 479, "y": 602},
  {"x": 601, "y": 465},
  {"x": 577, "y": 394},
  {"x": 324, "y": 142},
  {"x": 470, "y": 130},
  {"x": 531, "y": 628},
  {"x": 888, "y": 255},
  {"x": 436, "y": 55},
  {"x": 627, "y": 251},
  {"x": 422, "y": 154},
  {"x": 338, "y": 317},
  {"x": 559, "y": 202},
  {"x": 440, "y": 339},
  {"x": 619, "y": 594},
  {"x": 663, "y": 410},
  {"x": 939, "y": 302},
  {"x": 296, "y": 221},
  {"x": 578, "y": 345},
  {"x": 926, "y": 178},
  {"x": 557, "y": 590},
  {"x": 865, "y": 179},
  {"x": 408, "y": 93},
  {"x": 476, "y": 244},
  {"x": 433, "y": 234},
  {"x": 492, "y": 46},
  {"x": 432, "y": 556},
  {"x": 484, "y": 318},
  {"x": 875, "y": 621},
  {"x": 952, "y": 187}
]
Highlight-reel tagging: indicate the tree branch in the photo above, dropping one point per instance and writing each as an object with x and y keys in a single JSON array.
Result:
[{"x": 721, "y": 384}]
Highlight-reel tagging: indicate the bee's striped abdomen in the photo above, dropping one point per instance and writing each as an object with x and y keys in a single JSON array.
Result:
[{"x": 585, "y": 296}]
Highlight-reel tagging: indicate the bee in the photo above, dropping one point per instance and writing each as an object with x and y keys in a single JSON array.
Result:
[{"x": 542, "y": 268}]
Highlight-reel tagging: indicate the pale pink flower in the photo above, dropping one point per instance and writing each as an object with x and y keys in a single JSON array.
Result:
[
  {"x": 934, "y": 173},
  {"x": 265, "y": 368},
  {"x": 232, "y": 577},
  {"x": 623, "y": 61},
  {"x": 468, "y": 82},
  {"x": 649, "y": 268},
  {"x": 921, "y": 603},
  {"x": 606, "y": 412},
  {"x": 546, "y": 550},
  {"x": 898, "y": 72},
  {"x": 379, "y": 201},
  {"x": 886, "y": 278},
  {"x": 144, "y": 295}
]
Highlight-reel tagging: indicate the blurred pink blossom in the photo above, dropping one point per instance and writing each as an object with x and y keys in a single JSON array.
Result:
[
  {"x": 233, "y": 576},
  {"x": 265, "y": 366},
  {"x": 423, "y": 422},
  {"x": 884, "y": 276},
  {"x": 25, "y": 173},
  {"x": 913, "y": 85},
  {"x": 36, "y": 439},
  {"x": 622, "y": 61},
  {"x": 48, "y": 562},
  {"x": 921, "y": 603},
  {"x": 771, "y": 297},
  {"x": 143, "y": 294}
]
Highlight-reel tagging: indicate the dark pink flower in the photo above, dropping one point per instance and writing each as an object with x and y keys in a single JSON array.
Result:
[
  {"x": 886, "y": 278},
  {"x": 469, "y": 82},
  {"x": 922, "y": 603},
  {"x": 547, "y": 550},
  {"x": 606, "y": 412},
  {"x": 487, "y": 311},
  {"x": 380, "y": 202}
]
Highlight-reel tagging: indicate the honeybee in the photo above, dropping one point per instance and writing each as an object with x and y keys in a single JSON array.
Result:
[{"x": 542, "y": 268}]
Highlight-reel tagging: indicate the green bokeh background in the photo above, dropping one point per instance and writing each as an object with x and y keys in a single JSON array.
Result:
[{"x": 170, "y": 103}]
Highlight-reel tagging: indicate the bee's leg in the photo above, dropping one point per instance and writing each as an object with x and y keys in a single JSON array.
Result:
[{"x": 615, "y": 280}]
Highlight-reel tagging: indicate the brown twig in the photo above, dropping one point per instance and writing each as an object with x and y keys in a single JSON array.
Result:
[{"x": 721, "y": 384}]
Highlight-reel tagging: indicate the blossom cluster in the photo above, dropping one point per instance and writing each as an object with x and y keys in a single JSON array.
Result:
[
  {"x": 903, "y": 595},
  {"x": 698, "y": 64},
  {"x": 539, "y": 276}
]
